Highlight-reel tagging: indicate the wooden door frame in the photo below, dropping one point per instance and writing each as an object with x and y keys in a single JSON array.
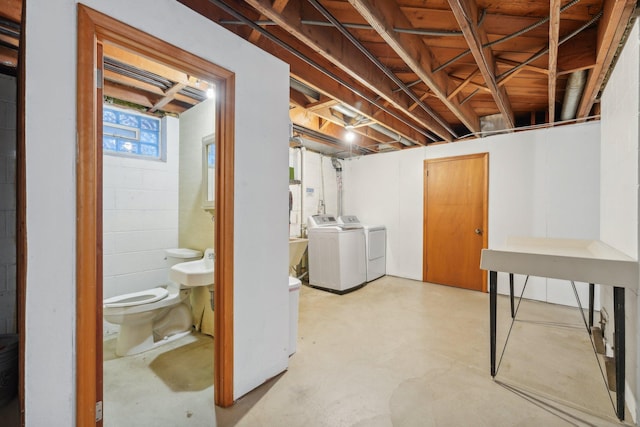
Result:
[
  {"x": 94, "y": 28},
  {"x": 485, "y": 203}
]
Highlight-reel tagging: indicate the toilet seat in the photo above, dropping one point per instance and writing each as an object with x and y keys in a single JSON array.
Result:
[{"x": 136, "y": 298}]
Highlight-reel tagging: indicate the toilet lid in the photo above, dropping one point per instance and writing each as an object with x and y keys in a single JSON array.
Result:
[{"x": 136, "y": 298}]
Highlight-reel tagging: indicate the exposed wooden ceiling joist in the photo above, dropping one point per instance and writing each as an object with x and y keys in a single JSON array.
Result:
[
  {"x": 554, "y": 36},
  {"x": 346, "y": 57},
  {"x": 384, "y": 17},
  {"x": 424, "y": 71},
  {"x": 610, "y": 31},
  {"x": 466, "y": 13}
]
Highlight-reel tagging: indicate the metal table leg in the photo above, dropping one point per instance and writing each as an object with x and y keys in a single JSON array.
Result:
[
  {"x": 493, "y": 292},
  {"x": 591, "y": 291},
  {"x": 619, "y": 348},
  {"x": 513, "y": 314}
]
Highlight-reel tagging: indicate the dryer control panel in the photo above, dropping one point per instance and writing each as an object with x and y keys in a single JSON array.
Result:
[{"x": 349, "y": 221}]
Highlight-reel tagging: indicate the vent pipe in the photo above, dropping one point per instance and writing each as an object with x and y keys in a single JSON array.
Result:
[
  {"x": 338, "y": 167},
  {"x": 572, "y": 94},
  {"x": 396, "y": 137}
]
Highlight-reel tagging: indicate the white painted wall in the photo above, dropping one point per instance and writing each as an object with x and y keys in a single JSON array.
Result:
[
  {"x": 8, "y": 304},
  {"x": 261, "y": 135},
  {"x": 196, "y": 225},
  {"x": 542, "y": 183},
  {"x": 140, "y": 218},
  {"x": 619, "y": 191}
]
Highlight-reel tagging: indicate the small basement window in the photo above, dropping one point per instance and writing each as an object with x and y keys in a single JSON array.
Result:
[{"x": 128, "y": 133}]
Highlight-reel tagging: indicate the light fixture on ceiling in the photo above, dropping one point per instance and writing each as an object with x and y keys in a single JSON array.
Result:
[
  {"x": 210, "y": 92},
  {"x": 349, "y": 136}
]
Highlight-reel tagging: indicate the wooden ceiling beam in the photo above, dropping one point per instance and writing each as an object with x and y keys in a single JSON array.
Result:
[
  {"x": 470, "y": 83},
  {"x": 298, "y": 98},
  {"x": 554, "y": 35},
  {"x": 324, "y": 102},
  {"x": 309, "y": 120},
  {"x": 169, "y": 96},
  {"x": 466, "y": 13},
  {"x": 346, "y": 57},
  {"x": 131, "y": 82},
  {"x": 422, "y": 98},
  {"x": 464, "y": 83},
  {"x": 610, "y": 31},
  {"x": 11, "y": 10},
  {"x": 346, "y": 97},
  {"x": 328, "y": 87},
  {"x": 138, "y": 61},
  {"x": 8, "y": 57},
  {"x": 278, "y": 5},
  {"x": 578, "y": 53},
  {"x": 528, "y": 67},
  {"x": 186, "y": 99},
  {"x": 126, "y": 94},
  {"x": 384, "y": 17}
]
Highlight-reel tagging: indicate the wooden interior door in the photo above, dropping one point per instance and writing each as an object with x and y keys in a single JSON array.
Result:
[{"x": 455, "y": 220}]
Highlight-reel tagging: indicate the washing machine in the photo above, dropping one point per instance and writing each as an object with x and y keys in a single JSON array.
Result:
[
  {"x": 337, "y": 255},
  {"x": 376, "y": 246}
]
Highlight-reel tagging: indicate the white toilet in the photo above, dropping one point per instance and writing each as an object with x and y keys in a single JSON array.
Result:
[{"x": 152, "y": 317}]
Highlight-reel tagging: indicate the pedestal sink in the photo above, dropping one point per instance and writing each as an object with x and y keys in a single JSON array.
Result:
[{"x": 194, "y": 273}]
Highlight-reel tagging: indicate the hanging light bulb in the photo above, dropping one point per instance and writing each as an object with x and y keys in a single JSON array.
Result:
[{"x": 349, "y": 136}]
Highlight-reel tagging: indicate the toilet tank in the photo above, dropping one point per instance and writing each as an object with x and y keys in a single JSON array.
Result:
[{"x": 178, "y": 255}]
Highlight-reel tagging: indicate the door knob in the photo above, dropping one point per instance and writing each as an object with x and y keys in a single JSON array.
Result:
[{"x": 478, "y": 231}]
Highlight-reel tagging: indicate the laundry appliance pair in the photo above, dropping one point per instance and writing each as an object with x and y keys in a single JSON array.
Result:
[{"x": 344, "y": 254}]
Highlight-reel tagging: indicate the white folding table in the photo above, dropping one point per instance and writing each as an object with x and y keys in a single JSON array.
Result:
[{"x": 590, "y": 261}]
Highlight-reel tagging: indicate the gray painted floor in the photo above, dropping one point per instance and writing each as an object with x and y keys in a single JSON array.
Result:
[{"x": 394, "y": 353}]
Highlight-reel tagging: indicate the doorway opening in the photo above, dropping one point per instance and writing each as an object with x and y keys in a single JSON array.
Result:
[{"x": 95, "y": 31}]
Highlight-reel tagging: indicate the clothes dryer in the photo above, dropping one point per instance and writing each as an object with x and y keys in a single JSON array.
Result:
[
  {"x": 375, "y": 246},
  {"x": 337, "y": 255}
]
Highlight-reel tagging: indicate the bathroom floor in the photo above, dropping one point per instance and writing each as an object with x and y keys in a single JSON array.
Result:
[
  {"x": 394, "y": 353},
  {"x": 171, "y": 385}
]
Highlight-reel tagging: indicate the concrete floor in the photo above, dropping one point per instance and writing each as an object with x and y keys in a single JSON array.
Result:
[{"x": 394, "y": 353}]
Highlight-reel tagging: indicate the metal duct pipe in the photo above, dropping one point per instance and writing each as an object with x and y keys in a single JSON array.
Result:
[
  {"x": 401, "y": 139},
  {"x": 572, "y": 94},
  {"x": 338, "y": 167},
  {"x": 377, "y": 127},
  {"x": 345, "y": 110},
  {"x": 302, "y": 88}
]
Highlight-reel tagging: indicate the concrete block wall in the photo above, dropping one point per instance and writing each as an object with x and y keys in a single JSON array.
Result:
[
  {"x": 8, "y": 90},
  {"x": 140, "y": 215}
]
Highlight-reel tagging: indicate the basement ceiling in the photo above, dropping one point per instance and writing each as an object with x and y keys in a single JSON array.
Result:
[
  {"x": 408, "y": 73},
  {"x": 397, "y": 73}
]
